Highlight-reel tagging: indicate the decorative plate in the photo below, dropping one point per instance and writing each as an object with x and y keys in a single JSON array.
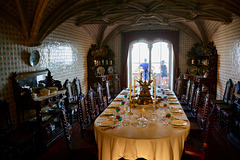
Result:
[
  {"x": 192, "y": 69},
  {"x": 111, "y": 70},
  {"x": 100, "y": 70},
  {"x": 202, "y": 70},
  {"x": 34, "y": 58}
]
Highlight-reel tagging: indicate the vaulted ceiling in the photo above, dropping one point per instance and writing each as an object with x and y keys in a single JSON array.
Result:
[{"x": 104, "y": 19}]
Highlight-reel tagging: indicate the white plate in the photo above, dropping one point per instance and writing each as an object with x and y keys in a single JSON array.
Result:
[
  {"x": 105, "y": 123},
  {"x": 124, "y": 93},
  {"x": 172, "y": 97},
  {"x": 172, "y": 101},
  {"x": 176, "y": 110},
  {"x": 113, "y": 105},
  {"x": 119, "y": 98},
  {"x": 109, "y": 112},
  {"x": 175, "y": 106},
  {"x": 177, "y": 122}
]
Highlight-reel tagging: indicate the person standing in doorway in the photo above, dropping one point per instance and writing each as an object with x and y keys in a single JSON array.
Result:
[
  {"x": 145, "y": 69},
  {"x": 163, "y": 72}
]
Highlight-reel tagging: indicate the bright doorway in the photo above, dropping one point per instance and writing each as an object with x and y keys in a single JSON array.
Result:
[{"x": 160, "y": 55}]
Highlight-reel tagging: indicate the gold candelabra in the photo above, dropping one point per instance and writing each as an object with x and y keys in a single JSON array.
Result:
[{"x": 144, "y": 96}]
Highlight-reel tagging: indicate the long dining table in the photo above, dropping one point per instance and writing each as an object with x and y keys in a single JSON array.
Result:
[{"x": 160, "y": 138}]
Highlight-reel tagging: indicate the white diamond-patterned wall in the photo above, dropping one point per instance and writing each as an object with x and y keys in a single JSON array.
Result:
[
  {"x": 227, "y": 41},
  {"x": 186, "y": 42},
  {"x": 63, "y": 52}
]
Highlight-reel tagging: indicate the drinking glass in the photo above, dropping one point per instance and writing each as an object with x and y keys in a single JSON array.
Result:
[{"x": 142, "y": 121}]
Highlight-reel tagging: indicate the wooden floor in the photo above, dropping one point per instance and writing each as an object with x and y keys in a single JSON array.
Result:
[{"x": 219, "y": 150}]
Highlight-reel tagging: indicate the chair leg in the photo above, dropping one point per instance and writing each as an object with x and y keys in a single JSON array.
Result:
[{"x": 70, "y": 117}]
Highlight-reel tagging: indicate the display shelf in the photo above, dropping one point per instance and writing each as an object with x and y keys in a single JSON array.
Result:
[
  {"x": 35, "y": 110},
  {"x": 202, "y": 66}
]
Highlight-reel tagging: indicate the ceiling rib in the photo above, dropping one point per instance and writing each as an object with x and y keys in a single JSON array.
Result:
[
  {"x": 24, "y": 19},
  {"x": 110, "y": 14}
]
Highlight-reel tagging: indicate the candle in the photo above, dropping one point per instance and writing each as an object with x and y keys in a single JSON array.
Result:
[
  {"x": 130, "y": 95},
  {"x": 149, "y": 75},
  {"x": 134, "y": 88},
  {"x": 155, "y": 89}
]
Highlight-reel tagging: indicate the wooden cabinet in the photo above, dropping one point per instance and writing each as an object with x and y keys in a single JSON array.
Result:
[
  {"x": 38, "y": 111},
  {"x": 202, "y": 66},
  {"x": 101, "y": 63}
]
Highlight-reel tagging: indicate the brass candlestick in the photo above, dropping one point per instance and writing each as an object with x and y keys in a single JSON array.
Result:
[{"x": 131, "y": 103}]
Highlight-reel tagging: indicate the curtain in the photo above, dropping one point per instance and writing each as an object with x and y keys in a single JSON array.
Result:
[{"x": 127, "y": 38}]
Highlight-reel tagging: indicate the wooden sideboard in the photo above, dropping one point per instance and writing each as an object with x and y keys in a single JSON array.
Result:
[{"x": 41, "y": 112}]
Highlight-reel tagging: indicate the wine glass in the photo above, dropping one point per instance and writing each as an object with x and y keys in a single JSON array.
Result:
[
  {"x": 142, "y": 121},
  {"x": 154, "y": 115}
]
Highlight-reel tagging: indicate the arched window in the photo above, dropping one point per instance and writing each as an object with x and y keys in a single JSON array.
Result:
[
  {"x": 150, "y": 37},
  {"x": 157, "y": 54}
]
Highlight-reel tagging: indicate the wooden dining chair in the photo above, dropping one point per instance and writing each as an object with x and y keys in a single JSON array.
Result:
[
  {"x": 193, "y": 96},
  {"x": 15, "y": 143},
  {"x": 178, "y": 89},
  {"x": 227, "y": 110},
  {"x": 84, "y": 116},
  {"x": 100, "y": 98},
  {"x": 199, "y": 147},
  {"x": 225, "y": 105},
  {"x": 199, "y": 125},
  {"x": 185, "y": 102},
  {"x": 188, "y": 107},
  {"x": 226, "y": 95},
  {"x": 84, "y": 145},
  {"x": 92, "y": 105},
  {"x": 195, "y": 99},
  {"x": 108, "y": 93},
  {"x": 116, "y": 86},
  {"x": 77, "y": 89},
  {"x": 70, "y": 103}
]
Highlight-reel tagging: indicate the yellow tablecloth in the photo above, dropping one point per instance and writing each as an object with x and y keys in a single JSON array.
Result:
[{"x": 156, "y": 141}]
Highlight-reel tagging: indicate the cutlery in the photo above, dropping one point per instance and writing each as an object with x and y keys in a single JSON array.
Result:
[
  {"x": 109, "y": 127},
  {"x": 180, "y": 127}
]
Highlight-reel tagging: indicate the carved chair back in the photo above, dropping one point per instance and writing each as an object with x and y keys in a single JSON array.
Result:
[
  {"x": 192, "y": 94},
  {"x": 236, "y": 90},
  {"x": 92, "y": 105},
  {"x": 83, "y": 111},
  {"x": 228, "y": 91},
  {"x": 196, "y": 101},
  {"x": 188, "y": 91},
  {"x": 205, "y": 111},
  {"x": 69, "y": 93},
  {"x": 66, "y": 127},
  {"x": 100, "y": 98},
  {"x": 108, "y": 92},
  {"x": 209, "y": 126},
  {"x": 77, "y": 90},
  {"x": 207, "y": 134},
  {"x": 178, "y": 87},
  {"x": 117, "y": 86}
]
